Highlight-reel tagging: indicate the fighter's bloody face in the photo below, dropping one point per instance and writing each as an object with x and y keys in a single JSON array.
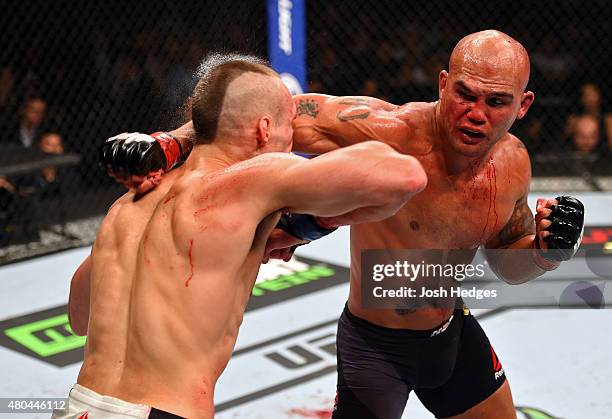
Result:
[{"x": 476, "y": 110}]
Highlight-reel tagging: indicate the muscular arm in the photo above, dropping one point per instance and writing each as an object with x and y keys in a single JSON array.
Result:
[
  {"x": 325, "y": 123},
  {"x": 370, "y": 181},
  {"x": 78, "y": 302}
]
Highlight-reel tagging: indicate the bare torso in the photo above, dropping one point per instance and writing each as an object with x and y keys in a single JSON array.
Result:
[
  {"x": 459, "y": 211},
  {"x": 171, "y": 277}
]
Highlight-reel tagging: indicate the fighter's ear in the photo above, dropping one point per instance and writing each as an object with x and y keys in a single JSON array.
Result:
[
  {"x": 263, "y": 131},
  {"x": 442, "y": 79},
  {"x": 526, "y": 101}
]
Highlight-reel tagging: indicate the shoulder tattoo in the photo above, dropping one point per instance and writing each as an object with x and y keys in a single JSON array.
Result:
[{"x": 307, "y": 107}]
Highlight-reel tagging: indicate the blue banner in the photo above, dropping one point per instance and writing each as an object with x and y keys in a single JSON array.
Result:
[{"x": 287, "y": 42}]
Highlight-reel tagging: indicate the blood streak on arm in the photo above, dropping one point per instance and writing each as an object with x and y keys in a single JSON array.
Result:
[
  {"x": 190, "y": 263},
  {"x": 144, "y": 249}
]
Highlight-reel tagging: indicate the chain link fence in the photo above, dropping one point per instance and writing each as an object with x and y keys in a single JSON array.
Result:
[
  {"x": 395, "y": 50},
  {"x": 73, "y": 73}
]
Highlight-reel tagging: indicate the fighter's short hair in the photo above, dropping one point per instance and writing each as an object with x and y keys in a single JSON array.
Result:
[{"x": 214, "y": 74}]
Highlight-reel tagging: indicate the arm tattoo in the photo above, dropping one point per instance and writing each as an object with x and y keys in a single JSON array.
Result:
[
  {"x": 521, "y": 223},
  {"x": 355, "y": 101},
  {"x": 359, "y": 108},
  {"x": 349, "y": 115},
  {"x": 308, "y": 107}
]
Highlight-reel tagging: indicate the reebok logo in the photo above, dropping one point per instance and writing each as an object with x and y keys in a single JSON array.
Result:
[{"x": 497, "y": 366}]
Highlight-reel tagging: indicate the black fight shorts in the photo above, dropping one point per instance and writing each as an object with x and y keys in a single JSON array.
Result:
[{"x": 450, "y": 368}]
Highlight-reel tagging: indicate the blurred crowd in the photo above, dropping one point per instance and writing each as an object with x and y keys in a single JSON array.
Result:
[
  {"x": 71, "y": 78},
  {"x": 400, "y": 56}
]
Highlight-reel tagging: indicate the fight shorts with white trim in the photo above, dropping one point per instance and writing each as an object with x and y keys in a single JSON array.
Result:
[
  {"x": 84, "y": 403},
  {"x": 451, "y": 368}
]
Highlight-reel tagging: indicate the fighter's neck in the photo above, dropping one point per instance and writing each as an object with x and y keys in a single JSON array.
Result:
[{"x": 212, "y": 156}]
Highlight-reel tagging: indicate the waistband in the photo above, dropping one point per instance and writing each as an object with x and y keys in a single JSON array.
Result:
[
  {"x": 107, "y": 404},
  {"x": 114, "y": 406},
  {"x": 406, "y": 333}
]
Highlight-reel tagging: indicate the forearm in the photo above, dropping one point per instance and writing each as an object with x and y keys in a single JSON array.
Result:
[
  {"x": 185, "y": 135},
  {"x": 518, "y": 262},
  {"x": 78, "y": 301},
  {"x": 365, "y": 175}
]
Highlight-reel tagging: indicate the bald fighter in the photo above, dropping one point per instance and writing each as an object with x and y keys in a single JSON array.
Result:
[
  {"x": 162, "y": 295},
  {"x": 478, "y": 182}
]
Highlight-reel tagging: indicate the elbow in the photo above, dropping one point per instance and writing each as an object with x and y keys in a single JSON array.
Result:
[
  {"x": 411, "y": 179},
  {"x": 77, "y": 319},
  {"x": 399, "y": 176},
  {"x": 416, "y": 178},
  {"x": 78, "y": 325},
  {"x": 78, "y": 330},
  {"x": 78, "y": 312},
  {"x": 404, "y": 178}
]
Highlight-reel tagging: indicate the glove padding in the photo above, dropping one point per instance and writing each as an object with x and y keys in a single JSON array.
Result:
[
  {"x": 138, "y": 154},
  {"x": 566, "y": 230},
  {"x": 303, "y": 226}
]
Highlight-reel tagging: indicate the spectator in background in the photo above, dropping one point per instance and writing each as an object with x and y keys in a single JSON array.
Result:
[
  {"x": 50, "y": 143},
  {"x": 590, "y": 104},
  {"x": 585, "y": 136},
  {"x": 31, "y": 118},
  {"x": 50, "y": 182},
  {"x": 41, "y": 195}
]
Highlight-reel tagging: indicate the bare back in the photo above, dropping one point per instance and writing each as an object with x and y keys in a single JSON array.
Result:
[{"x": 172, "y": 273}]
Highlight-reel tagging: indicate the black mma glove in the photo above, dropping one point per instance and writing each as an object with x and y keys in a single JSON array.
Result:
[
  {"x": 133, "y": 153},
  {"x": 566, "y": 230}
]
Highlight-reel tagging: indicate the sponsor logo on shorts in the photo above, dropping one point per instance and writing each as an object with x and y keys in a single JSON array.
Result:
[
  {"x": 442, "y": 328},
  {"x": 335, "y": 402},
  {"x": 497, "y": 366}
]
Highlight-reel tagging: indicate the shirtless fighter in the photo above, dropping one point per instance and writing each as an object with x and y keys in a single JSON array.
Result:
[
  {"x": 162, "y": 295},
  {"x": 478, "y": 181}
]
